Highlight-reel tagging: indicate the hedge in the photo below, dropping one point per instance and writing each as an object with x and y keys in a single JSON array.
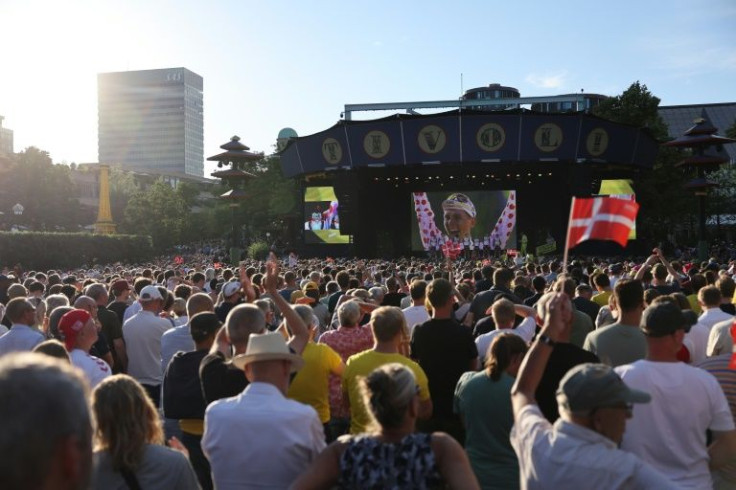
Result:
[
  {"x": 43, "y": 251},
  {"x": 258, "y": 250}
]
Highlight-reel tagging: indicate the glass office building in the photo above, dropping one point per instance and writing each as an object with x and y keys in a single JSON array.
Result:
[{"x": 151, "y": 120}]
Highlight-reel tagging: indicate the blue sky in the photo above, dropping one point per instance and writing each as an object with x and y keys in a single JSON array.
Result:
[{"x": 272, "y": 64}]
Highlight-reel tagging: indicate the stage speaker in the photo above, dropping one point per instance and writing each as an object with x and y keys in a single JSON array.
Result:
[
  {"x": 581, "y": 181},
  {"x": 346, "y": 191}
]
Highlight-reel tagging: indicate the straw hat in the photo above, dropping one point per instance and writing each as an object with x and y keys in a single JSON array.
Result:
[{"x": 267, "y": 347}]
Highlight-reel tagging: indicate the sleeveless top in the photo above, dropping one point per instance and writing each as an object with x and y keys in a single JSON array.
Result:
[{"x": 368, "y": 463}]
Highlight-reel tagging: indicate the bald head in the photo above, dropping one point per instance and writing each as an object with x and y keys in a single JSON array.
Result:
[{"x": 242, "y": 321}]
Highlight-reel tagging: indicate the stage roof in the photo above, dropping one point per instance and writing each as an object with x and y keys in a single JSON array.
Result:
[{"x": 470, "y": 138}]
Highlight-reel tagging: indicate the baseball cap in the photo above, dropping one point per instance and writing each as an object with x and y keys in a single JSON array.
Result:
[
  {"x": 662, "y": 319},
  {"x": 589, "y": 386},
  {"x": 310, "y": 285},
  {"x": 230, "y": 288},
  {"x": 149, "y": 293},
  {"x": 71, "y": 324},
  {"x": 203, "y": 325}
]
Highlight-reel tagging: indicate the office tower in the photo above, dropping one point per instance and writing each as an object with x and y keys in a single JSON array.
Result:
[
  {"x": 151, "y": 120},
  {"x": 6, "y": 139}
]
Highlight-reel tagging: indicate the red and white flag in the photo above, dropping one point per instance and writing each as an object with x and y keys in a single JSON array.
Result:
[{"x": 601, "y": 218}]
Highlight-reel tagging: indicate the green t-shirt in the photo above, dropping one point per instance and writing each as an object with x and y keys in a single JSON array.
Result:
[
  {"x": 617, "y": 344},
  {"x": 485, "y": 408}
]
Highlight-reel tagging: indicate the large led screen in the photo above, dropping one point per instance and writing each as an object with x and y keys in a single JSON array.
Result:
[{"x": 477, "y": 219}]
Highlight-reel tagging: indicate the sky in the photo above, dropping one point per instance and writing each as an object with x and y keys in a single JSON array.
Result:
[{"x": 273, "y": 64}]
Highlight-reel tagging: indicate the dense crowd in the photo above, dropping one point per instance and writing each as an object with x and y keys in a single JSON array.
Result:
[{"x": 498, "y": 373}]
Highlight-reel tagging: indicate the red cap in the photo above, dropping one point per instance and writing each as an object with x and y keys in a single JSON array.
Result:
[{"x": 71, "y": 324}]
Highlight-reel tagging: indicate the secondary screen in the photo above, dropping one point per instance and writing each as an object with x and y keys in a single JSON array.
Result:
[
  {"x": 621, "y": 189},
  {"x": 478, "y": 219},
  {"x": 321, "y": 217}
]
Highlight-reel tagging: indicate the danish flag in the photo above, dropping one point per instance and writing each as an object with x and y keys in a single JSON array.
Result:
[{"x": 601, "y": 218}]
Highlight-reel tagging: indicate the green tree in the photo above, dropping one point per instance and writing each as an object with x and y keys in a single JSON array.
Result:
[
  {"x": 45, "y": 190},
  {"x": 271, "y": 200},
  {"x": 159, "y": 212},
  {"x": 731, "y": 132},
  {"x": 665, "y": 205}
]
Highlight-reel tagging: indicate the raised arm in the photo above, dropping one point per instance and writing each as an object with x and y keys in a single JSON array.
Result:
[
  {"x": 670, "y": 270},
  {"x": 299, "y": 332},
  {"x": 557, "y": 319}
]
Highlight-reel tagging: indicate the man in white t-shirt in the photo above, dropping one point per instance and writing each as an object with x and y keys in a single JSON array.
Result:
[
  {"x": 416, "y": 314},
  {"x": 670, "y": 432},
  {"x": 79, "y": 332},
  {"x": 142, "y": 334},
  {"x": 709, "y": 299},
  {"x": 504, "y": 313}
]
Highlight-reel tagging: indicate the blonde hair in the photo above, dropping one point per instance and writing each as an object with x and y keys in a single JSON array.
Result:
[{"x": 125, "y": 420}]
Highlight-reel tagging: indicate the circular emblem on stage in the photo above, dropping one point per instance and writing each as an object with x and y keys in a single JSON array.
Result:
[
  {"x": 432, "y": 139},
  {"x": 548, "y": 137},
  {"x": 376, "y": 144},
  {"x": 597, "y": 142},
  {"x": 332, "y": 151},
  {"x": 490, "y": 137}
]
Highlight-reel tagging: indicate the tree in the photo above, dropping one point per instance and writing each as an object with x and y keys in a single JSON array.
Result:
[
  {"x": 731, "y": 132},
  {"x": 272, "y": 199},
  {"x": 159, "y": 212},
  {"x": 665, "y": 205},
  {"x": 45, "y": 190}
]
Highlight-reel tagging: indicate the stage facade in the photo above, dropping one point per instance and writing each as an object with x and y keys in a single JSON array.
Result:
[{"x": 385, "y": 187}]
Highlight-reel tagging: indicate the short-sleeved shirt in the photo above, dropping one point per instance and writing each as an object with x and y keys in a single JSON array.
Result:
[
  {"x": 525, "y": 330},
  {"x": 567, "y": 455},
  {"x": 346, "y": 341},
  {"x": 94, "y": 368},
  {"x": 361, "y": 365},
  {"x": 310, "y": 385},
  {"x": 601, "y": 299},
  {"x": 657, "y": 432},
  {"x": 445, "y": 350},
  {"x": 485, "y": 408},
  {"x": 617, "y": 344},
  {"x": 219, "y": 378},
  {"x": 564, "y": 357}
]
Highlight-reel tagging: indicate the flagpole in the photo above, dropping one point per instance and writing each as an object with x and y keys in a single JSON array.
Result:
[{"x": 567, "y": 236}]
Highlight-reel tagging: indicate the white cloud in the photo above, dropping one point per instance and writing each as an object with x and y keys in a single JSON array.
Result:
[{"x": 548, "y": 80}]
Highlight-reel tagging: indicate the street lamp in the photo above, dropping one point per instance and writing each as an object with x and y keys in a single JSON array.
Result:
[{"x": 18, "y": 209}]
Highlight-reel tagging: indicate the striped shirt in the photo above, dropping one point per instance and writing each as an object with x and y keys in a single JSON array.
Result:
[{"x": 718, "y": 367}]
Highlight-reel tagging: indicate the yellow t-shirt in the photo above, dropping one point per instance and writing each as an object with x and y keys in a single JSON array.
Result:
[
  {"x": 310, "y": 383},
  {"x": 362, "y": 364},
  {"x": 601, "y": 299},
  {"x": 694, "y": 305}
]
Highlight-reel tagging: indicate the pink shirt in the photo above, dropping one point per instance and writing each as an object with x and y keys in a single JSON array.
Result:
[{"x": 346, "y": 342}]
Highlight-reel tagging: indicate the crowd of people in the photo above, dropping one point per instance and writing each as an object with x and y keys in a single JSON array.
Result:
[{"x": 336, "y": 373}]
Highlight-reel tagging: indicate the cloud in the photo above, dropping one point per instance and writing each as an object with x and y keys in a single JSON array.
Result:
[{"x": 548, "y": 80}]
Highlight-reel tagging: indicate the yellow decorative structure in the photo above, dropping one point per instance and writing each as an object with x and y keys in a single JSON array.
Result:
[{"x": 104, "y": 224}]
